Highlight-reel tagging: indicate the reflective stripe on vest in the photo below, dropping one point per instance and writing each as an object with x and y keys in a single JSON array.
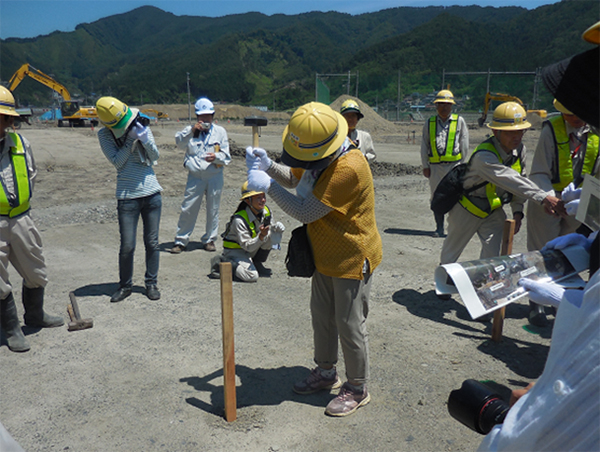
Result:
[
  {"x": 490, "y": 189},
  {"x": 447, "y": 156},
  {"x": 563, "y": 174},
  {"x": 14, "y": 204},
  {"x": 230, "y": 244}
]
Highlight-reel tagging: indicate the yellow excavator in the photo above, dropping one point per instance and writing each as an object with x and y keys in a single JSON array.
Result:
[
  {"x": 489, "y": 97},
  {"x": 72, "y": 112},
  {"x": 157, "y": 114}
]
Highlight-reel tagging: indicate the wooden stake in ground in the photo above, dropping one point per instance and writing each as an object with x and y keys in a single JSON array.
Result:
[
  {"x": 507, "y": 242},
  {"x": 228, "y": 345}
]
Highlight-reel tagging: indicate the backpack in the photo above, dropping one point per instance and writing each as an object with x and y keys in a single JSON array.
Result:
[
  {"x": 299, "y": 260},
  {"x": 450, "y": 190}
]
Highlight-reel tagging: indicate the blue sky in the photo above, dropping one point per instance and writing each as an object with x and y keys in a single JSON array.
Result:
[{"x": 31, "y": 18}]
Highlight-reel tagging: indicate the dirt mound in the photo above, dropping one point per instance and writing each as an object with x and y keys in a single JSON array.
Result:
[
  {"x": 372, "y": 122},
  {"x": 222, "y": 111}
]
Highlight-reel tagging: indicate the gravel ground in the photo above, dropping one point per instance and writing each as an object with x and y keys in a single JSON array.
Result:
[{"x": 148, "y": 375}]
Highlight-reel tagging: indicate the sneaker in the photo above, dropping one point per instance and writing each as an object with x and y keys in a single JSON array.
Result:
[
  {"x": 152, "y": 292},
  {"x": 443, "y": 296},
  {"x": 177, "y": 249},
  {"x": 210, "y": 246},
  {"x": 120, "y": 294},
  {"x": 439, "y": 233},
  {"x": 315, "y": 382},
  {"x": 347, "y": 401},
  {"x": 214, "y": 275},
  {"x": 263, "y": 271}
]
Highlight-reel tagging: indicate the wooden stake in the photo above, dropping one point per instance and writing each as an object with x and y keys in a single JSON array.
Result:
[
  {"x": 507, "y": 242},
  {"x": 228, "y": 343}
]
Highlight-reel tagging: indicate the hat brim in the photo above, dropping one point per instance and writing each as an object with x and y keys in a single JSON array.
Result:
[
  {"x": 293, "y": 162},
  {"x": 574, "y": 82},
  {"x": 123, "y": 126},
  {"x": 339, "y": 139}
]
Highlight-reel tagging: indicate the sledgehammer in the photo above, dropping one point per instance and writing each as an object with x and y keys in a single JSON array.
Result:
[
  {"x": 77, "y": 323},
  {"x": 255, "y": 122}
]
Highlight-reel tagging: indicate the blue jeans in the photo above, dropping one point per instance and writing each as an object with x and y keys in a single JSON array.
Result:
[{"x": 129, "y": 211}]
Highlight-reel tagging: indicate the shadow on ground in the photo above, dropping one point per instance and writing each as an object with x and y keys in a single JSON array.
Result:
[
  {"x": 522, "y": 357},
  {"x": 257, "y": 387}
]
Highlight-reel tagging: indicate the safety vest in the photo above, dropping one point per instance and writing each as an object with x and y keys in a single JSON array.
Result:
[
  {"x": 447, "y": 155},
  {"x": 563, "y": 172},
  {"x": 230, "y": 244},
  {"x": 14, "y": 204},
  {"x": 490, "y": 189}
]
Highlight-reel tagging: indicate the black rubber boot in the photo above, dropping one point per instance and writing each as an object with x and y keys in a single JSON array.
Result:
[
  {"x": 258, "y": 259},
  {"x": 439, "y": 225},
  {"x": 33, "y": 302},
  {"x": 537, "y": 315},
  {"x": 9, "y": 320}
]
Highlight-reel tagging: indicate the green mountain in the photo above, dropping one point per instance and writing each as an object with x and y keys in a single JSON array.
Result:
[{"x": 143, "y": 56}]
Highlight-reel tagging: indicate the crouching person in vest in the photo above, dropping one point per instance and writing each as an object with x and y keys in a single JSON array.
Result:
[
  {"x": 499, "y": 161},
  {"x": 20, "y": 241},
  {"x": 247, "y": 239}
]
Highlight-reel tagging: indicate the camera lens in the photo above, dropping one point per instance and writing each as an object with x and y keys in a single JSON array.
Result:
[{"x": 477, "y": 407}]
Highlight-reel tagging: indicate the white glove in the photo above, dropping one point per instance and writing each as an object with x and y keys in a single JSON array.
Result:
[
  {"x": 141, "y": 132},
  {"x": 565, "y": 241},
  {"x": 258, "y": 181},
  {"x": 544, "y": 293},
  {"x": 570, "y": 193},
  {"x": 276, "y": 235},
  {"x": 265, "y": 161},
  {"x": 252, "y": 162},
  {"x": 278, "y": 227},
  {"x": 572, "y": 206}
]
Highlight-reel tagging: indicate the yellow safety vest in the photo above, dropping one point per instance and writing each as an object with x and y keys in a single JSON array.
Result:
[
  {"x": 490, "y": 189},
  {"x": 563, "y": 171},
  {"x": 447, "y": 155},
  {"x": 14, "y": 204},
  {"x": 230, "y": 244}
]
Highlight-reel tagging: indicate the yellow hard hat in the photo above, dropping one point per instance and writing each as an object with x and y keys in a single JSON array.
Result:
[
  {"x": 7, "y": 103},
  {"x": 351, "y": 106},
  {"x": 444, "y": 96},
  {"x": 248, "y": 193},
  {"x": 509, "y": 116},
  {"x": 115, "y": 115},
  {"x": 314, "y": 132},
  {"x": 592, "y": 34},
  {"x": 560, "y": 107}
]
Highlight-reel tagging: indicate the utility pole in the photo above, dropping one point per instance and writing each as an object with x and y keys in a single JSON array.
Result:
[
  {"x": 348, "y": 87},
  {"x": 399, "y": 96},
  {"x": 356, "y": 84},
  {"x": 189, "y": 97}
]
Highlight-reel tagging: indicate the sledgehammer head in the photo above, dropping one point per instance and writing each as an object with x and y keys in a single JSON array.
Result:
[{"x": 255, "y": 122}]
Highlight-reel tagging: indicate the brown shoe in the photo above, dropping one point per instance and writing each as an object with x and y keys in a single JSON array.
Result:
[
  {"x": 316, "y": 382},
  {"x": 347, "y": 401},
  {"x": 177, "y": 249},
  {"x": 210, "y": 246}
]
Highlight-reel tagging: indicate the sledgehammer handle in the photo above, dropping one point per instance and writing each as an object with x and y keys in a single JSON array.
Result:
[
  {"x": 75, "y": 306},
  {"x": 228, "y": 346},
  {"x": 254, "y": 136}
]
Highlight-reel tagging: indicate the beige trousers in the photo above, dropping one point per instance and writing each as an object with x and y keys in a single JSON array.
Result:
[
  {"x": 339, "y": 307},
  {"x": 21, "y": 245}
]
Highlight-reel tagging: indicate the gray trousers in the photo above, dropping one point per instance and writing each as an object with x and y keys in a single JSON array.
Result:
[
  {"x": 21, "y": 245},
  {"x": 541, "y": 227},
  {"x": 339, "y": 307},
  {"x": 463, "y": 225}
]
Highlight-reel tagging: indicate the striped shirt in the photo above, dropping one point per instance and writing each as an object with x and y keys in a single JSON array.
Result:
[{"x": 134, "y": 178}]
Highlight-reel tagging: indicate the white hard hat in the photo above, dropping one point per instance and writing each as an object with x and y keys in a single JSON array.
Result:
[{"x": 204, "y": 107}]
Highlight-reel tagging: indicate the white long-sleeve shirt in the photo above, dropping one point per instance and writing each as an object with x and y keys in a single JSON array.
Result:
[
  {"x": 197, "y": 148},
  {"x": 562, "y": 410}
]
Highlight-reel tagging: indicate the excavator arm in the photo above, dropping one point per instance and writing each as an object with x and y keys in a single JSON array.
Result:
[
  {"x": 29, "y": 71},
  {"x": 489, "y": 97}
]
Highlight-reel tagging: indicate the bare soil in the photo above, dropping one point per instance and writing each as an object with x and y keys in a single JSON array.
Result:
[{"x": 148, "y": 375}]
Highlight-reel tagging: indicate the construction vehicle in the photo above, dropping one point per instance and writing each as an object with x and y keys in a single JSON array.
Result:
[
  {"x": 155, "y": 113},
  {"x": 71, "y": 111},
  {"x": 489, "y": 97}
]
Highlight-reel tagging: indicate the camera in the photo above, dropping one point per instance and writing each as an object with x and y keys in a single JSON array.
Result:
[
  {"x": 267, "y": 221},
  {"x": 143, "y": 120},
  {"x": 477, "y": 406}
]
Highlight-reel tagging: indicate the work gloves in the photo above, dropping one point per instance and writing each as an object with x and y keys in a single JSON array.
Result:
[
  {"x": 573, "y": 239},
  {"x": 258, "y": 181},
  {"x": 543, "y": 293},
  {"x": 257, "y": 158},
  {"x": 139, "y": 132},
  {"x": 276, "y": 235},
  {"x": 570, "y": 196}
]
